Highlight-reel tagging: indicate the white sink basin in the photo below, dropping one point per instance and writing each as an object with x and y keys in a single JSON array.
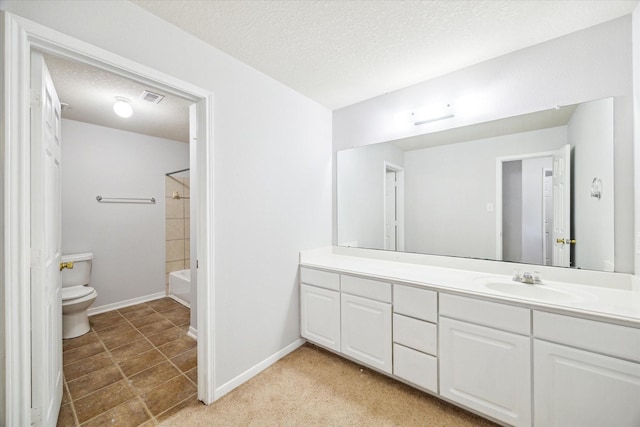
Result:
[{"x": 533, "y": 292}]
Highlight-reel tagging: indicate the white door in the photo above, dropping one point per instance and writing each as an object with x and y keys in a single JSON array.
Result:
[
  {"x": 46, "y": 301},
  {"x": 580, "y": 388},
  {"x": 320, "y": 316},
  {"x": 547, "y": 216},
  {"x": 487, "y": 370},
  {"x": 562, "y": 206},
  {"x": 366, "y": 331},
  {"x": 390, "y": 211}
]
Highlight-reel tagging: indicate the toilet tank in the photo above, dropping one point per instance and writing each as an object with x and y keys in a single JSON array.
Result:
[{"x": 80, "y": 274}]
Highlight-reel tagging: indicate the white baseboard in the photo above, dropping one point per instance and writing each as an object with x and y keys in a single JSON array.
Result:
[
  {"x": 255, "y": 370},
  {"x": 193, "y": 332},
  {"x": 126, "y": 303}
]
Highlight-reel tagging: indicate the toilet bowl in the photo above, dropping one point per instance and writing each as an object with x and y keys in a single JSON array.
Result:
[{"x": 77, "y": 295}]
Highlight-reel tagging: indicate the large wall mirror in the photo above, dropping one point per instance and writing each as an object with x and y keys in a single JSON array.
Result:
[{"x": 536, "y": 189}]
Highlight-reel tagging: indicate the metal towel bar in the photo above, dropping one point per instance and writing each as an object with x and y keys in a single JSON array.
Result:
[{"x": 138, "y": 200}]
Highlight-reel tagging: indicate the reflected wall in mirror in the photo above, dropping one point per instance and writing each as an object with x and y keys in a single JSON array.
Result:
[{"x": 535, "y": 189}]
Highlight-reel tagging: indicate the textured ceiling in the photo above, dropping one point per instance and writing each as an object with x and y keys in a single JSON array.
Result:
[
  {"x": 91, "y": 93},
  {"x": 341, "y": 52}
]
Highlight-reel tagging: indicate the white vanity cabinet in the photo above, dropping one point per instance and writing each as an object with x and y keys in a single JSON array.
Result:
[
  {"x": 366, "y": 321},
  {"x": 320, "y": 307},
  {"x": 521, "y": 364},
  {"x": 586, "y": 373},
  {"x": 415, "y": 336},
  {"x": 485, "y": 361}
]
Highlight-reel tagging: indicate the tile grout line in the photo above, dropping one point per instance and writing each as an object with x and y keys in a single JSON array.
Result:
[
  {"x": 127, "y": 378},
  {"x": 71, "y": 404},
  {"x": 164, "y": 355},
  {"x": 144, "y": 404}
]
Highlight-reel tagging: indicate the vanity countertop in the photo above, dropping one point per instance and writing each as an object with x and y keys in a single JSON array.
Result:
[{"x": 620, "y": 306}]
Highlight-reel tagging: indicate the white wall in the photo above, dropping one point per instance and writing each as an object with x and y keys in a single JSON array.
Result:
[
  {"x": 591, "y": 64},
  {"x": 512, "y": 211},
  {"x": 361, "y": 194},
  {"x": 127, "y": 239},
  {"x": 3, "y": 361},
  {"x": 532, "y": 226},
  {"x": 447, "y": 189},
  {"x": 590, "y": 131},
  {"x": 272, "y": 171},
  {"x": 636, "y": 124}
]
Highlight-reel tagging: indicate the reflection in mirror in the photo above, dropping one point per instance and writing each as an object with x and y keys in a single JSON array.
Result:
[{"x": 534, "y": 189}]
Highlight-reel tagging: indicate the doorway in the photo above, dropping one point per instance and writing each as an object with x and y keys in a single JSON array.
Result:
[
  {"x": 22, "y": 38},
  {"x": 533, "y": 207},
  {"x": 524, "y": 236},
  {"x": 393, "y": 214}
]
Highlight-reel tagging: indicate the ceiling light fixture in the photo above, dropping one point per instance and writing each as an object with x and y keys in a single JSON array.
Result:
[
  {"x": 432, "y": 114},
  {"x": 122, "y": 107}
]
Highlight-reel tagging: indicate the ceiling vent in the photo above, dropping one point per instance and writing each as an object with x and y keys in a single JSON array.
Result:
[{"x": 152, "y": 97}]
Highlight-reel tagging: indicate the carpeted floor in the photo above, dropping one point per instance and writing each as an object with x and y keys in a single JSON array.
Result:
[{"x": 313, "y": 387}]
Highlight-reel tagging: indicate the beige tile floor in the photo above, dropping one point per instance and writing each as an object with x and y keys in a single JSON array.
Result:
[{"x": 135, "y": 367}]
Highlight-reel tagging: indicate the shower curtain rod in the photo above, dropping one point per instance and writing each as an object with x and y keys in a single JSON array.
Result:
[{"x": 174, "y": 172}]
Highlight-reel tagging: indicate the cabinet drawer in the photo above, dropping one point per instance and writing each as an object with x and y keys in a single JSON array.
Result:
[
  {"x": 614, "y": 340},
  {"x": 368, "y": 288},
  {"x": 415, "y": 302},
  {"x": 495, "y": 315},
  {"x": 415, "y": 333},
  {"x": 415, "y": 367},
  {"x": 323, "y": 279}
]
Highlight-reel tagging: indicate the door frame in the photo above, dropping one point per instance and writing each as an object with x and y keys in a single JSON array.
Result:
[
  {"x": 399, "y": 170},
  {"x": 20, "y": 36},
  {"x": 544, "y": 206},
  {"x": 499, "y": 162}
]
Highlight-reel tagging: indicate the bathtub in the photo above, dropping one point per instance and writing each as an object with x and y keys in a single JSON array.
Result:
[{"x": 180, "y": 286}]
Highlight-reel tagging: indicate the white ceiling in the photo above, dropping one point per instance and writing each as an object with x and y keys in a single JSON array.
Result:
[
  {"x": 91, "y": 93},
  {"x": 340, "y": 52},
  {"x": 336, "y": 52}
]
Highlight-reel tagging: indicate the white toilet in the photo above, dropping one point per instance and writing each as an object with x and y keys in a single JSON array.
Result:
[{"x": 77, "y": 295}]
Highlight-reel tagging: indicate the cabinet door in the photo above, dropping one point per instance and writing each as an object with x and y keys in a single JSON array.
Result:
[
  {"x": 579, "y": 388},
  {"x": 366, "y": 331},
  {"x": 320, "y": 316},
  {"x": 487, "y": 370}
]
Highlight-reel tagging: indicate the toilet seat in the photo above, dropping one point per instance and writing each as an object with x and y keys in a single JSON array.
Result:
[{"x": 75, "y": 292}]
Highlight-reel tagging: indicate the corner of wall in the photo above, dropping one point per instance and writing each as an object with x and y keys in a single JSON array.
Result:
[
  {"x": 635, "y": 46},
  {"x": 2, "y": 263}
]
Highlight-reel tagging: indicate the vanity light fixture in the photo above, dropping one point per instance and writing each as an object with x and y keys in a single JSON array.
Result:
[
  {"x": 122, "y": 107},
  {"x": 431, "y": 114}
]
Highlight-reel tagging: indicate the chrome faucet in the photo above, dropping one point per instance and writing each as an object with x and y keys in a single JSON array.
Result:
[{"x": 527, "y": 277}]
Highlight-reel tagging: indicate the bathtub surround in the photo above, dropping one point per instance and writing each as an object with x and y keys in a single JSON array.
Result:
[
  {"x": 178, "y": 224},
  {"x": 126, "y": 239}
]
